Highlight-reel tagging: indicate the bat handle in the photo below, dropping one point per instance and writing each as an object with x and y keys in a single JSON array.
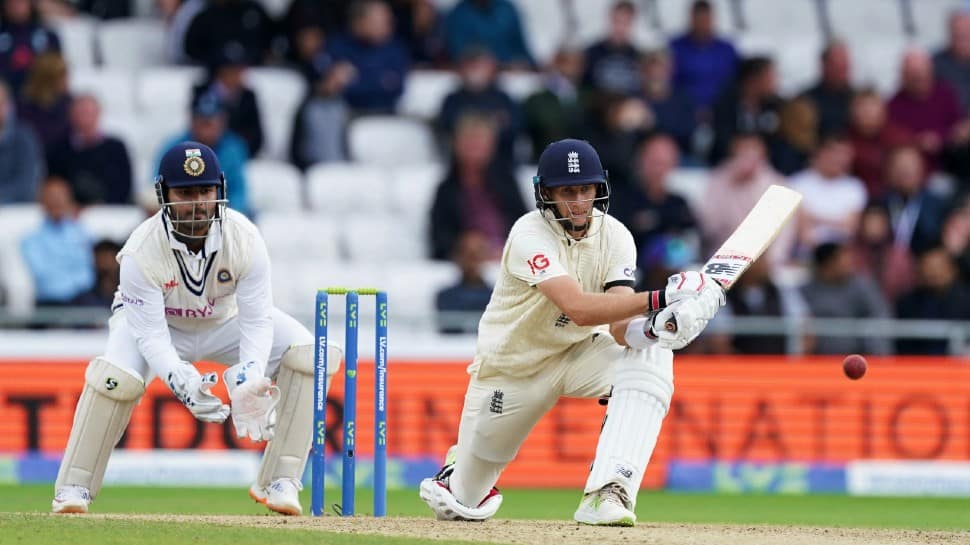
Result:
[{"x": 670, "y": 325}]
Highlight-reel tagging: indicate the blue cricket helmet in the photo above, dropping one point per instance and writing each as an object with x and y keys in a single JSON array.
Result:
[
  {"x": 571, "y": 162},
  {"x": 189, "y": 163}
]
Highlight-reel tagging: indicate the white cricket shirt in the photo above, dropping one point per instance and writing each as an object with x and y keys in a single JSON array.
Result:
[{"x": 521, "y": 330}]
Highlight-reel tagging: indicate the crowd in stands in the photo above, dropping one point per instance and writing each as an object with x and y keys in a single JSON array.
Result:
[{"x": 883, "y": 231}]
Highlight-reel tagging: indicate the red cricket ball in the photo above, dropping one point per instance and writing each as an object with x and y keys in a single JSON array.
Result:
[{"x": 854, "y": 366}]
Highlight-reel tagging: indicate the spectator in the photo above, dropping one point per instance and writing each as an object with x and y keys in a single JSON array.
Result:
[
  {"x": 797, "y": 136},
  {"x": 927, "y": 107},
  {"x": 21, "y": 161},
  {"x": 917, "y": 215},
  {"x": 421, "y": 27},
  {"x": 832, "y": 199},
  {"x": 872, "y": 136},
  {"x": 45, "y": 100},
  {"x": 656, "y": 217},
  {"x": 226, "y": 83},
  {"x": 222, "y": 22},
  {"x": 58, "y": 254},
  {"x": 208, "y": 125},
  {"x": 704, "y": 65},
  {"x": 878, "y": 255},
  {"x": 939, "y": 295},
  {"x": 675, "y": 113},
  {"x": 751, "y": 106},
  {"x": 618, "y": 124},
  {"x": 756, "y": 294},
  {"x": 321, "y": 121},
  {"x": 178, "y": 15},
  {"x": 330, "y": 16},
  {"x": 379, "y": 59},
  {"x": 832, "y": 94},
  {"x": 490, "y": 24},
  {"x": 952, "y": 63},
  {"x": 96, "y": 166},
  {"x": 107, "y": 271},
  {"x": 556, "y": 111},
  {"x": 460, "y": 306},
  {"x": 479, "y": 93},
  {"x": 734, "y": 188},
  {"x": 612, "y": 65},
  {"x": 479, "y": 193},
  {"x": 23, "y": 37},
  {"x": 837, "y": 290},
  {"x": 956, "y": 238}
]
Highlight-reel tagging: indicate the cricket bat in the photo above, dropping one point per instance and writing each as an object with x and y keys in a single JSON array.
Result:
[{"x": 746, "y": 244}]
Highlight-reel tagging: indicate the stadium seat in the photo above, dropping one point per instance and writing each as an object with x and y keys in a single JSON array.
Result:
[
  {"x": 780, "y": 19},
  {"x": 295, "y": 284},
  {"x": 378, "y": 238},
  {"x": 154, "y": 131},
  {"x": 166, "y": 89},
  {"x": 274, "y": 186},
  {"x": 876, "y": 62},
  {"x": 594, "y": 18},
  {"x": 114, "y": 88},
  {"x": 524, "y": 175},
  {"x": 520, "y": 85},
  {"x": 930, "y": 20},
  {"x": 77, "y": 39},
  {"x": 544, "y": 26},
  {"x": 424, "y": 91},
  {"x": 346, "y": 188},
  {"x": 413, "y": 187},
  {"x": 131, "y": 44},
  {"x": 279, "y": 92},
  {"x": 390, "y": 141},
  {"x": 797, "y": 59},
  {"x": 112, "y": 222},
  {"x": 689, "y": 183},
  {"x": 414, "y": 287},
  {"x": 865, "y": 20},
  {"x": 293, "y": 236},
  {"x": 16, "y": 221}
]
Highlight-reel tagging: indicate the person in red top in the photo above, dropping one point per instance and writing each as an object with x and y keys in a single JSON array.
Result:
[
  {"x": 925, "y": 105},
  {"x": 872, "y": 136}
]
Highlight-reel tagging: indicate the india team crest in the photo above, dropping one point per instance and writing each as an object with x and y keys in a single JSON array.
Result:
[
  {"x": 223, "y": 276},
  {"x": 194, "y": 165}
]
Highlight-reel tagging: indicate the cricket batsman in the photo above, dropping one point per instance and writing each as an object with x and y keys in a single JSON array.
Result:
[
  {"x": 195, "y": 285},
  {"x": 564, "y": 320}
]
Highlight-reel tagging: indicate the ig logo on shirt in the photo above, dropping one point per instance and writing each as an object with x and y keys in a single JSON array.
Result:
[{"x": 539, "y": 263}]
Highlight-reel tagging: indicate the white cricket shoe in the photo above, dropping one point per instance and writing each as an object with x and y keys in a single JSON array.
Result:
[
  {"x": 608, "y": 506},
  {"x": 437, "y": 494},
  {"x": 282, "y": 496},
  {"x": 71, "y": 499}
]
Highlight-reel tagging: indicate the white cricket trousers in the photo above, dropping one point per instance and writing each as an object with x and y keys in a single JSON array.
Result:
[
  {"x": 219, "y": 344},
  {"x": 500, "y": 411}
]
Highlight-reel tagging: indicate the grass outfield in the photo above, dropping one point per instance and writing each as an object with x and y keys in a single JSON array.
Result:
[{"x": 817, "y": 510}]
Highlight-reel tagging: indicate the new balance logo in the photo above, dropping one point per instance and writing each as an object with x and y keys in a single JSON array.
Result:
[
  {"x": 562, "y": 320},
  {"x": 572, "y": 162},
  {"x": 497, "y": 403}
]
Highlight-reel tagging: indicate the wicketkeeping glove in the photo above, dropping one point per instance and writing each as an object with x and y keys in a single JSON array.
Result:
[
  {"x": 254, "y": 399},
  {"x": 192, "y": 389}
]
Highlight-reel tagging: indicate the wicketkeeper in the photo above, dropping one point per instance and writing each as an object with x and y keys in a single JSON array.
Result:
[{"x": 195, "y": 285}]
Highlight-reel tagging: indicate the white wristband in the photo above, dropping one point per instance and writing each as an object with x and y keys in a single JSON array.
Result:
[{"x": 636, "y": 335}]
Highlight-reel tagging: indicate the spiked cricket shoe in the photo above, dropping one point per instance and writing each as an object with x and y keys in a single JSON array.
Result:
[
  {"x": 71, "y": 499},
  {"x": 282, "y": 496},
  {"x": 608, "y": 506}
]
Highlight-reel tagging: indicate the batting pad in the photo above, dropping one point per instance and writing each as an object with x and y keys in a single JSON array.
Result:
[
  {"x": 107, "y": 401},
  {"x": 642, "y": 389},
  {"x": 287, "y": 453}
]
